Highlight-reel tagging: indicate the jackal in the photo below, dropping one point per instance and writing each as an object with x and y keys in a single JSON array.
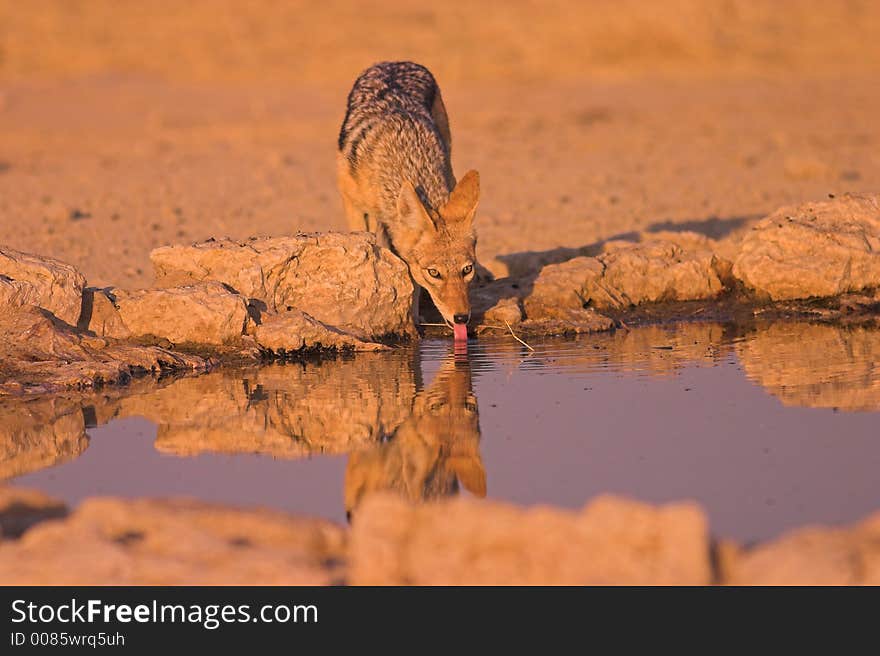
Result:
[
  {"x": 430, "y": 453},
  {"x": 394, "y": 171}
]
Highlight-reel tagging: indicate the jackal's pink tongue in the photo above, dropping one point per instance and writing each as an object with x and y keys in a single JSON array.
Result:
[{"x": 460, "y": 331}]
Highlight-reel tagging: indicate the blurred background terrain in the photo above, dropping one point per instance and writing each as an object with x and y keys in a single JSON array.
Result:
[{"x": 128, "y": 125}]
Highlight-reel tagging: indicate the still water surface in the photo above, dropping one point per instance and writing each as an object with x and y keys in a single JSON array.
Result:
[{"x": 768, "y": 428}]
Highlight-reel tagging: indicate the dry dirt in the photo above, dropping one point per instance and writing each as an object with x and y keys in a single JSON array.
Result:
[
  {"x": 127, "y": 126},
  {"x": 124, "y": 128}
]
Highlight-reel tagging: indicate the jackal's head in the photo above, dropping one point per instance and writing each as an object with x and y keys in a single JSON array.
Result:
[
  {"x": 436, "y": 449},
  {"x": 439, "y": 245}
]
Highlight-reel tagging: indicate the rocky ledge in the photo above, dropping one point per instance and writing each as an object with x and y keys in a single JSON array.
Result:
[
  {"x": 392, "y": 542},
  {"x": 214, "y": 301},
  {"x": 287, "y": 296},
  {"x": 818, "y": 260}
]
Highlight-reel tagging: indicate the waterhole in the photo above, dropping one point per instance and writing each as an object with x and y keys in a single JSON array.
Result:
[{"x": 767, "y": 427}]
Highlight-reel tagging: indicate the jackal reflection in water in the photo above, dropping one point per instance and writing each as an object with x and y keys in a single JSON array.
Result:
[{"x": 430, "y": 453}]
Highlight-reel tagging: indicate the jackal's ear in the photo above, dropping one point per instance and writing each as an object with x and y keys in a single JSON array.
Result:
[
  {"x": 470, "y": 472},
  {"x": 462, "y": 203},
  {"x": 410, "y": 211}
]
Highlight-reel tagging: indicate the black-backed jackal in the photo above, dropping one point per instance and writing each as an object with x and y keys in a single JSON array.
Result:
[{"x": 395, "y": 175}]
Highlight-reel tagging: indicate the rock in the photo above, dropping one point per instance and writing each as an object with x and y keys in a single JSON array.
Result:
[
  {"x": 572, "y": 321},
  {"x": 812, "y": 556},
  {"x": 16, "y": 293},
  {"x": 282, "y": 410},
  {"x": 463, "y": 541},
  {"x": 100, "y": 314},
  {"x": 814, "y": 250},
  {"x": 498, "y": 304},
  {"x": 38, "y": 354},
  {"x": 505, "y": 311},
  {"x": 725, "y": 554},
  {"x": 530, "y": 263},
  {"x": 628, "y": 274},
  {"x": 495, "y": 302},
  {"x": 204, "y": 313},
  {"x": 560, "y": 288},
  {"x": 687, "y": 240},
  {"x": 39, "y": 433},
  {"x": 27, "y": 279},
  {"x": 342, "y": 280},
  {"x": 174, "y": 542},
  {"x": 815, "y": 365},
  {"x": 654, "y": 271},
  {"x": 286, "y": 333},
  {"x": 22, "y": 508}
]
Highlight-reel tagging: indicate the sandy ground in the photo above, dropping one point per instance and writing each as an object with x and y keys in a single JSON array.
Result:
[
  {"x": 126, "y": 125},
  {"x": 129, "y": 128}
]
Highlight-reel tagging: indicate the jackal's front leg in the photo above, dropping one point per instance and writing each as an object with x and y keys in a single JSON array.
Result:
[
  {"x": 357, "y": 218},
  {"x": 416, "y": 299}
]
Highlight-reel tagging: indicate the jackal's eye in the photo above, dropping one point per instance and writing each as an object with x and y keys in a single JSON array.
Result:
[
  {"x": 433, "y": 273},
  {"x": 466, "y": 271}
]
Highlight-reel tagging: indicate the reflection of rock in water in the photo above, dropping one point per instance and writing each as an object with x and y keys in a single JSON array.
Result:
[
  {"x": 663, "y": 350},
  {"x": 432, "y": 451},
  {"x": 286, "y": 411},
  {"x": 654, "y": 350},
  {"x": 816, "y": 366},
  {"x": 39, "y": 433}
]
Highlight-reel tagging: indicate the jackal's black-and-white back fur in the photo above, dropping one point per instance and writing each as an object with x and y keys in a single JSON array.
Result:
[
  {"x": 395, "y": 118},
  {"x": 395, "y": 176}
]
